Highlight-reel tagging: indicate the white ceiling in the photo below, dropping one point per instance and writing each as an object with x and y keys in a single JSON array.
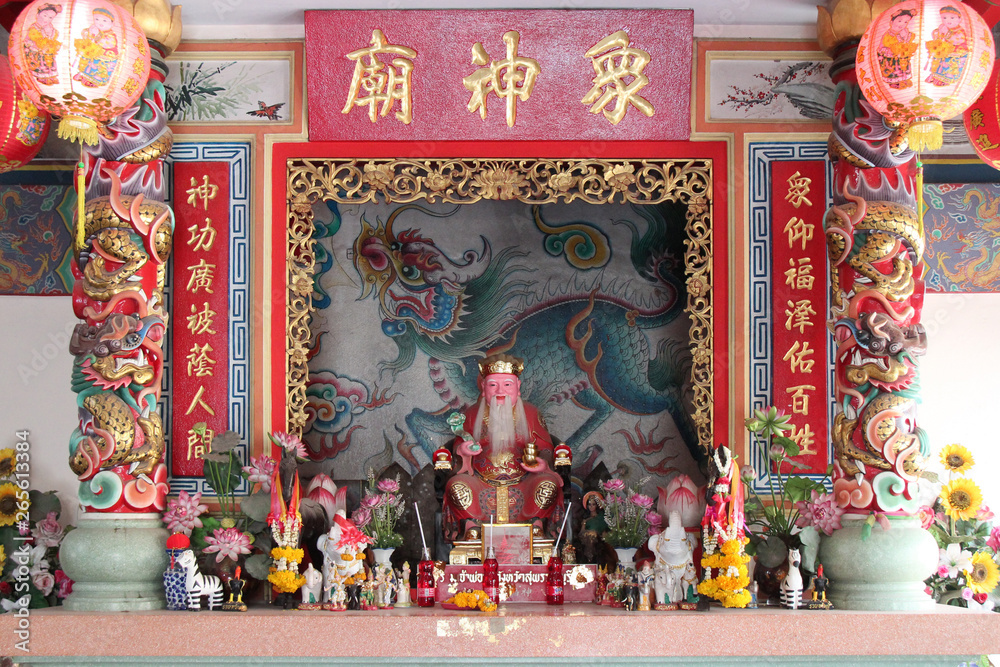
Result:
[{"x": 706, "y": 12}]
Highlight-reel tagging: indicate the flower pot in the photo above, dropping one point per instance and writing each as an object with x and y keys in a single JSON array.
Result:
[
  {"x": 626, "y": 555},
  {"x": 382, "y": 556}
]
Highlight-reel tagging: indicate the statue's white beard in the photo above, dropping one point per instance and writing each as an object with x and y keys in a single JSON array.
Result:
[{"x": 507, "y": 428}]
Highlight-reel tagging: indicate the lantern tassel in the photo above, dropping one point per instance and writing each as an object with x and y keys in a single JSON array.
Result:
[
  {"x": 925, "y": 135},
  {"x": 77, "y": 128},
  {"x": 81, "y": 204}
]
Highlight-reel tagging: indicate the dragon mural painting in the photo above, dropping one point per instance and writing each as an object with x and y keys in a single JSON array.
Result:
[
  {"x": 120, "y": 266},
  {"x": 600, "y": 338},
  {"x": 875, "y": 246},
  {"x": 962, "y": 223}
]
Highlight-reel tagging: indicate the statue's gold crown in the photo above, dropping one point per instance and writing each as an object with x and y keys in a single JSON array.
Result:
[{"x": 501, "y": 363}]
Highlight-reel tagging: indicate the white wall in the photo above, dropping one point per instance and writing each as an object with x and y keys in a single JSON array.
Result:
[{"x": 959, "y": 376}]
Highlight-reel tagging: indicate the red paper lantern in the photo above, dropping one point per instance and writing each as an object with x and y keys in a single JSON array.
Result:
[
  {"x": 23, "y": 126},
  {"x": 924, "y": 61},
  {"x": 86, "y": 61},
  {"x": 982, "y": 122}
]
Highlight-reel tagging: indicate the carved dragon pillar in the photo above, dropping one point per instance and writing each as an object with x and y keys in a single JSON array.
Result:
[
  {"x": 116, "y": 557},
  {"x": 875, "y": 246}
]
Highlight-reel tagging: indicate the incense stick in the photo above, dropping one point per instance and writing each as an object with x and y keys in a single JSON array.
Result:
[
  {"x": 421, "y": 524},
  {"x": 555, "y": 547}
]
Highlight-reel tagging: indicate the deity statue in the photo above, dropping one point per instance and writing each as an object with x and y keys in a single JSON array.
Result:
[{"x": 509, "y": 462}]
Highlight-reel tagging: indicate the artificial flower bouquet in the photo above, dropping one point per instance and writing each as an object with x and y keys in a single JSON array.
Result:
[
  {"x": 968, "y": 570},
  {"x": 628, "y": 513},
  {"x": 381, "y": 508}
]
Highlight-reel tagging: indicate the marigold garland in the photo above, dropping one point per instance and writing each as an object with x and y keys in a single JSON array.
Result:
[
  {"x": 732, "y": 578},
  {"x": 470, "y": 599},
  {"x": 286, "y": 581},
  {"x": 288, "y": 553}
]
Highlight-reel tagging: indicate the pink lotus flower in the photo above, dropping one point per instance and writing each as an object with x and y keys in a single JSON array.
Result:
[
  {"x": 821, "y": 512},
  {"x": 641, "y": 500},
  {"x": 290, "y": 443},
  {"x": 613, "y": 485},
  {"x": 323, "y": 491},
  {"x": 48, "y": 532},
  {"x": 984, "y": 513},
  {"x": 388, "y": 486},
  {"x": 261, "y": 471},
  {"x": 183, "y": 512},
  {"x": 683, "y": 497},
  {"x": 228, "y": 542},
  {"x": 655, "y": 522},
  {"x": 371, "y": 501},
  {"x": 44, "y": 581},
  {"x": 993, "y": 541},
  {"x": 926, "y": 515},
  {"x": 362, "y": 517},
  {"x": 64, "y": 585}
]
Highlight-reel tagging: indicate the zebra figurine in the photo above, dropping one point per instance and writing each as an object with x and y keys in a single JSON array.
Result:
[
  {"x": 197, "y": 584},
  {"x": 791, "y": 586}
]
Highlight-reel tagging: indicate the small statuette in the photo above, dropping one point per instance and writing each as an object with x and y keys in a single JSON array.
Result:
[
  {"x": 791, "y": 586},
  {"x": 820, "y": 584},
  {"x": 235, "y": 601}
]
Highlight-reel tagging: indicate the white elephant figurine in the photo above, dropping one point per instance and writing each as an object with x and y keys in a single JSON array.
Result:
[
  {"x": 342, "y": 550},
  {"x": 674, "y": 551},
  {"x": 311, "y": 589}
]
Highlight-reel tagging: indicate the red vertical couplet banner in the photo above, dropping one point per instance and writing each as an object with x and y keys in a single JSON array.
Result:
[
  {"x": 798, "y": 303},
  {"x": 200, "y": 312}
]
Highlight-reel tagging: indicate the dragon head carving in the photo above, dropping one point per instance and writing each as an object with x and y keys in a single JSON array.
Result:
[
  {"x": 121, "y": 350},
  {"x": 884, "y": 351}
]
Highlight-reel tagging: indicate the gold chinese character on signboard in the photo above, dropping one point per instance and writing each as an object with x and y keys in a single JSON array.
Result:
[
  {"x": 798, "y": 313},
  {"x": 510, "y": 79},
  {"x": 198, "y": 443},
  {"x": 202, "y": 275},
  {"x": 796, "y": 357},
  {"x": 375, "y": 82},
  {"x": 976, "y": 116},
  {"x": 800, "y": 399},
  {"x": 198, "y": 362},
  {"x": 618, "y": 77},
  {"x": 800, "y": 277},
  {"x": 204, "y": 192},
  {"x": 804, "y": 438},
  {"x": 200, "y": 321},
  {"x": 798, "y": 230},
  {"x": 798, "y": 188},
  {"x": 199, "y": 401},
  {"x": 203, "y": 237}
]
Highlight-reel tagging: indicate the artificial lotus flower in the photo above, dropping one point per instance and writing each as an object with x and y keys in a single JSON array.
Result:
[
  {"x": 956, "y": 459},
  {"x": 261, "y": 470},
  {"x": 961, "y": 499},
  {"x": 228, "y": 542},
  {"x": 983, "y": 574},
  {"x": 769, "y": 422},
  {"x": 613, "y": 484},
  {"x": 953, "y": 560},
  {"x": 388, "y": 486},
  {"x": 681, "y": 496},
  {"x": 323, "y": 490},
  {"x": 290, "y": 443},
  {"x": 641, "y": 500},
  {"x": 821, "y": 512},
  {"x": 183, "y": 512}
]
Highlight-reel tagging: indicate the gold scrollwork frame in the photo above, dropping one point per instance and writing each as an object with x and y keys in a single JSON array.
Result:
[{"x": 534, "y": 181}]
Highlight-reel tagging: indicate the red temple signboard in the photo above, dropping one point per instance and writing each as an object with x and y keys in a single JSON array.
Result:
[
  {"x": 499, "y": 75},
  {"x": 799, "y": 305},
  {"x": 200, "y": 311}
]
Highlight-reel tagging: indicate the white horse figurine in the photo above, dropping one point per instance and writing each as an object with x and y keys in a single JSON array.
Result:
[
  {"x": 673, "y": 552},
  {"x": 197, "y": 584},
  {"x": 791, "y": 586}
]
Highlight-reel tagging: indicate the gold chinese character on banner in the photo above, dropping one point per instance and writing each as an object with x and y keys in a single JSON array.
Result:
[
  {"x": 798, "y": 313},
  {"x": 198, "y": 443},
  {"x": 199, "y": 401},
  {"x": 798, "y": 230},
  {"x": 800, "y": 399},
  {"x": 375, "y": 82},
  {"x": 202, "y": 275},
  {"x": 800, "y": 277},
  {"x": 510, "y": 79},
  {"x": 203, "y": 237},
  {"x": 198, "y": 362},
  {"x": 204, "y": 192},
  {"x": 618, "y": 77},
  {"x": 200, "y": 321},
  {"x": 804, "y": 438},
  {"x": 796, "y": 358},
  {"x": 798, "y": 188},
  {"x": 983, "y": 141},
  {"x": 976, "y": 116}
]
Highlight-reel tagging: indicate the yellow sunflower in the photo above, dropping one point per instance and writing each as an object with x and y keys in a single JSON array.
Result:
[
  {"x": 984, "y": 575},
  {"x": 956, "y": 458},
  {"x": 8, "y": 504},
  {"x": 961, "y": 499},
  {"x": 7, "y": 462}
]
